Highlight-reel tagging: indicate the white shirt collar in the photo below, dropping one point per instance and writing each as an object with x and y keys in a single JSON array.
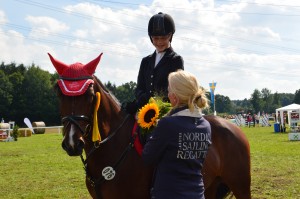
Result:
[
  {"x": 158, "y": 57},
  {"x": 188, "y": 113}
]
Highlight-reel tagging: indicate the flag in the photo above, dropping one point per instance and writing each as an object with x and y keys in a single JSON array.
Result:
[
  {"x": 212, "y": 87},
  {"x": 212, "y": 97}
]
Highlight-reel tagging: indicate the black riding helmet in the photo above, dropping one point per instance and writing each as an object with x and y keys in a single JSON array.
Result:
[{"x": 160, "y": 25}]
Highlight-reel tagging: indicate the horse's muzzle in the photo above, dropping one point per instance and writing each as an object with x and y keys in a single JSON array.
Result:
[{"x": 73, "y": 151}]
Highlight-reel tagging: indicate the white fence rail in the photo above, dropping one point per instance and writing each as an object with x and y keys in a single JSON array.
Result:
[{"x": 59, "y": 128}]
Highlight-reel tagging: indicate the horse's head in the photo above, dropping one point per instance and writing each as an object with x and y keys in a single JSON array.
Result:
[{"x": 78, "y": 101}]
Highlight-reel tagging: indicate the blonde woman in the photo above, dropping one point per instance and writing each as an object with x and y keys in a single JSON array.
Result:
[{"x": 179, "y": 143}]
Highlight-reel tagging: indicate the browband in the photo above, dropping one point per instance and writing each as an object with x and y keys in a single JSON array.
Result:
[{"x": 76, "y": 78}]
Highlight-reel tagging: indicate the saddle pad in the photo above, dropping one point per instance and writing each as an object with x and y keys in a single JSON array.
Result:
[{"x": 137, "y": 142}]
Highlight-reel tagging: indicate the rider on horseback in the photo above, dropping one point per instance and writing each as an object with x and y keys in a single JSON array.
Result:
[{"x": 155, "y": 68}]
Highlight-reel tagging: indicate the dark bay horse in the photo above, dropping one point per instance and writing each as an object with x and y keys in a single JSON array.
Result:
[{"x": 114, "y": 170}]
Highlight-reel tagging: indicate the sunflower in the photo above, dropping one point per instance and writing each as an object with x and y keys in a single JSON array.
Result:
[{"x": 148, "y": 115}]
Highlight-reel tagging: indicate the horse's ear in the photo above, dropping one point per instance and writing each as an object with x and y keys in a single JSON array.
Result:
[
  {"x": 91, "y": 66},
  {"x": 59, "y": 66}
]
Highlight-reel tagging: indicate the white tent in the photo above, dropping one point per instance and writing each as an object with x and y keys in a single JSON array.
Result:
[{"x": 289, "y": 108}]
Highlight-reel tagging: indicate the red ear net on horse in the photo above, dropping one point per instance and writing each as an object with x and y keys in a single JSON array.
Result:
[{"x": 75, "y": 78}]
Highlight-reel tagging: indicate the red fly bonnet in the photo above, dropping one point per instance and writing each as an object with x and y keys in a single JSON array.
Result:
[{"x": 74, "y": 79}]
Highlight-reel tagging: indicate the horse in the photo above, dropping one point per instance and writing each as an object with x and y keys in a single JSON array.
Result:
[{"x": 95, "y": 123}]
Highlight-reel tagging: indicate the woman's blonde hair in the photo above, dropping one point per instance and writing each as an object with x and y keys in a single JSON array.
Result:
[{"x": 187, "y": 89}]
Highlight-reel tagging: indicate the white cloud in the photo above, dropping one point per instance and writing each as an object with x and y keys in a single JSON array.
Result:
[
  {"x": 218, "y": 41},
  {"x": 3, "y": 18},
  {"x": 43, "y": 26},
  {"x": 82, "y": 34}
]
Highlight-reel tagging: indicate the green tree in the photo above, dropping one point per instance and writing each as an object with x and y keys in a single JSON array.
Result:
[
  {"x": 297, "y": 97},
  {"x": 125, "y": 92},
  {"x": 276, "y": 102},
  {"x": 40, "y": 101},
  {"x": 11, "y": 68},
  {"x": 287, "y": 98},
  {"x": 111, "y": 87},
  {"x": 6, "y": 88},
  {"x": 256, "y": 101},
  {"x": 223, "y": 104},
  {"x": 18, "y": 98},
  {"x": 241, "y": 106},
  {"x": 276, "y": 99},
  {"x": 267, "y": 99}
]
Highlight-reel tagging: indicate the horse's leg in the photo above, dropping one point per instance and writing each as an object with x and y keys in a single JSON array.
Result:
[
  {"x": 238, "y": 177},
  {"x": 217, "y": 189},
  {"x": 231, "y": 153},
  {"x": 240, "y": 186},
  {"x": 210, "y": 191},
  {"x": 132, "y": 181},
  {"x": 211, "y": 171}
]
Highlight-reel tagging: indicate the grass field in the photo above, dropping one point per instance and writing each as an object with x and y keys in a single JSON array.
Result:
[
  {"x": 37, "y": 167},
  {"x": 275, "y": 164}
]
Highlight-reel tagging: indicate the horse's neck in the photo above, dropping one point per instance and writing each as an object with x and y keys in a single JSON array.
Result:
[{"x": 109, "y": 114}]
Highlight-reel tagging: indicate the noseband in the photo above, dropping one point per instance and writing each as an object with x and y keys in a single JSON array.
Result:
[{"x": 74, "y": 120}]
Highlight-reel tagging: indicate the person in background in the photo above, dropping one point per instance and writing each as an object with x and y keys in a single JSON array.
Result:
[
  {"x": 257, "y": 120},
  {"x": 178, "y": 145},
  {"x": 154, "y": 69},
  {"x": 249, "y": 119}
]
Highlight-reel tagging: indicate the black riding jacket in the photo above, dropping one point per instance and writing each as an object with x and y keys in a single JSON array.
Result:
[{"x": 154, "y": 80}]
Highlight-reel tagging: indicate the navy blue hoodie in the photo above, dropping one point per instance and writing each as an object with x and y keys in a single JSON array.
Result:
[{"x": 178, "y": 147}]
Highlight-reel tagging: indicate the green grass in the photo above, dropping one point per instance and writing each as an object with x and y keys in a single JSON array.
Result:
[
  {"x": 275, "y": 164},
  {"x": 37, "y": 167}
]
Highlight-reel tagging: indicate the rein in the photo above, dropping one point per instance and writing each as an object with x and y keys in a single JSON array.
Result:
[
  {"x": 97, "y": 144},
  {"x": 108, "y": 172}
]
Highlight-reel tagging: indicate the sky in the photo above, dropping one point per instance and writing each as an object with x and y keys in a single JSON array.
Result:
[{"x": 242, "y": 45}]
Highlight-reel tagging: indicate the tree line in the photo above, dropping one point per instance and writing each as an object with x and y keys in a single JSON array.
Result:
[{"x": 28, "y": 91}]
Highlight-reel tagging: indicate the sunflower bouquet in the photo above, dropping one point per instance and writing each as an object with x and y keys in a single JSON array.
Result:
[{"x": 149, "y": 115}]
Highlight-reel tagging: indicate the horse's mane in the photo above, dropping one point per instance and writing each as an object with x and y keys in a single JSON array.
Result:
[{"x": 115, "y": 99}]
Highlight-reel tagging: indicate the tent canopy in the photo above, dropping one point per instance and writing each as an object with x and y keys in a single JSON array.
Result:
[{"x": 288, "y": 108}]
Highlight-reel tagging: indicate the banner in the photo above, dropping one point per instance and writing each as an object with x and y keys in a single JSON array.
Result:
[
  {"x": 295, "y": 116},
  {"x": 212, "y": 97},
  {"x": 212, "y": 87}
]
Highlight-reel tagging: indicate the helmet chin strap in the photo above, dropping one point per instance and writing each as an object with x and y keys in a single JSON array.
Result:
[{"x": 171, "y": 39}]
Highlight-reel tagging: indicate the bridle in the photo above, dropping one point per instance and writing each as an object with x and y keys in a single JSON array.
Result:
[
  {"x": 108, "y": 172},
  {"x": 74, "y": 120}
]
